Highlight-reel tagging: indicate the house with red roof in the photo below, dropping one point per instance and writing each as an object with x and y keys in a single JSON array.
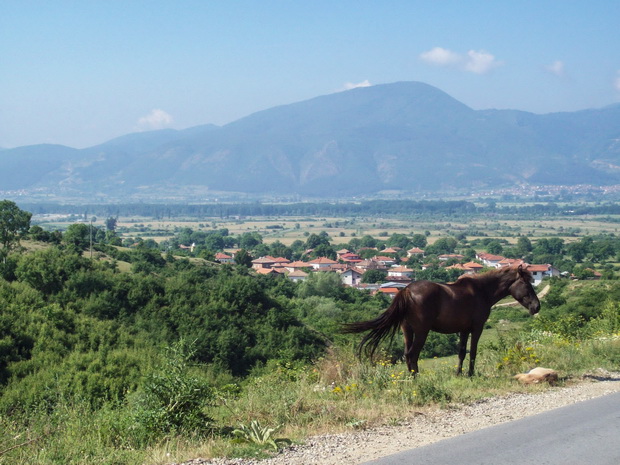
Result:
[
  {"x": 341, "y": 252},
  {"x": 322, "y": 262},
  {"x": 400, "y": 272},
  {"x": 460, "y": 267},
  {"x": 224, "y": 258},
  {"x": 393, "y": 250},
  {"x": 474, "y": 267},
  {"x": 188, "y": 247},
  {"x": 263, "y": 262},
  {"x": 384, "y": 260},
  {"x": 297, "y": 265},
  {"x": 450, "y": 256},
  {"x": 490, "y": 260},
  {"x": 297, "y": 275},
  {"x": 542, "y": 271},
  {"x": 371, "y": 265},
  {"x": 389, "y": 291},
  {"x": 351, "y": 276},
  {"x": 350, "y": 257},
  {"x": 415, "y": 252},
  {"x": 510, "y": 262},
  {"x": 268, "y": 271}
]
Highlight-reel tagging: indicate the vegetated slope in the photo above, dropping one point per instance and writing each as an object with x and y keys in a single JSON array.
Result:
[{"x": 406, "y": 136}]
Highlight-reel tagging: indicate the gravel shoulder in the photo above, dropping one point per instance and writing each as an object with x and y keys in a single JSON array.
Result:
[{"x": 431, "y": 425}]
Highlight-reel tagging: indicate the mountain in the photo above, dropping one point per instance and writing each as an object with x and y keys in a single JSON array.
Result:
[{"x": 406, "y": 136}]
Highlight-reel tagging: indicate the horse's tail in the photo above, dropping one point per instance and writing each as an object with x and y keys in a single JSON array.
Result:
[{"x": 385, "y": 325}]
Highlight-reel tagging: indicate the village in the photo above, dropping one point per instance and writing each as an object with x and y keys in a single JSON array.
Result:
[{"x": 351, "y": 267}]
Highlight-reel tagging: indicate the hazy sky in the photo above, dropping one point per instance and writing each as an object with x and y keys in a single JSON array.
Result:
[{"x": 81, "y": 72}]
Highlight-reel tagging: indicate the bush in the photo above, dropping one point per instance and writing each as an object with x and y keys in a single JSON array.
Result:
[
  {"x": 608, "y": 323},
  {"x": 569, "y": 327},
  {"x": 173, "y": 398}
]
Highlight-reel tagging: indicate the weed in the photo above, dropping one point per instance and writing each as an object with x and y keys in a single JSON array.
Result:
[
  {"x": 255, "y": 433},
  {"x": 357, "y": 424}
]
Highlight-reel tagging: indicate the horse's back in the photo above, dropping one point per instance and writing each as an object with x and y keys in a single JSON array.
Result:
[
  {"x": 429, "y": 291},
  {"x": 444, "y": 307}
]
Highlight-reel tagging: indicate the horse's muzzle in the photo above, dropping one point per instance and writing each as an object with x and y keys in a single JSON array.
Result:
[{"x": 534, "y": 308}]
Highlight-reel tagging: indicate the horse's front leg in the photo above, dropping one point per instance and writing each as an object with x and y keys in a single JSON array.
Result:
[
  {"x": 475, "y": 337},
  {"x": 462, "y": 350}
]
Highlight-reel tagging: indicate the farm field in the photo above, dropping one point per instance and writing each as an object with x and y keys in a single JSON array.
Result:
[{"x": 341, "y": 230}]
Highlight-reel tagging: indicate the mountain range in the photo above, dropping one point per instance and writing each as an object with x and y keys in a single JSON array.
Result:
[{"x": 406, "y": 136}]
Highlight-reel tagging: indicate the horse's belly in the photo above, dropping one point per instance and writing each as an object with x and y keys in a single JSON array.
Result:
[
  {"x": 449, "y": 324},
  {"x": 447, "y": 329}
]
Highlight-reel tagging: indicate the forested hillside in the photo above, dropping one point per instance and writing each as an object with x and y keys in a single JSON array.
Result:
[{"x": 75, "y": 330}]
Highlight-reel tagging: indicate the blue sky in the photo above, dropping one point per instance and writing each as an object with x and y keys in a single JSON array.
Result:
[{"x": 79, "y": 73}]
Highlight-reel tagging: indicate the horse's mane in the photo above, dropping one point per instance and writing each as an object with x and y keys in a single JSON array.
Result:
[{"x": 500, "y": 272}]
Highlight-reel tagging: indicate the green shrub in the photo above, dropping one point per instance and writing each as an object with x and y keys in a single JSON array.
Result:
[
  {"x": 608, "y": 322},
  {"x": 174, "y": 398},
  {"x": 568, "y": 326}
]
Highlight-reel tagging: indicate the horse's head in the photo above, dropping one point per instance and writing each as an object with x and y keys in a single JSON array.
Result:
[{"x": 522, "y": 290}]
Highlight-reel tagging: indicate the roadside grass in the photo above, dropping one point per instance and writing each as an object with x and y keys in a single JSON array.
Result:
[
  {"x": 294, "y": 401},
  {"x": 338, "y": 393}
]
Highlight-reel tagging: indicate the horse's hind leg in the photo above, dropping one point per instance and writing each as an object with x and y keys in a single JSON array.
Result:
[
  {"x": 413, "y": 352},
  {"x": 462, "y": 350},
  {"x": 408, "y": 336}
]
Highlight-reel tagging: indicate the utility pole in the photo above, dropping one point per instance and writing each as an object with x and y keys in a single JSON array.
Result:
[{"x": 91, "y": 237}]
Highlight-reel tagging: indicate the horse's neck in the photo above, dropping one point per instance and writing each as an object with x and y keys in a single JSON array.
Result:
[{"x": 497, "y": 287}]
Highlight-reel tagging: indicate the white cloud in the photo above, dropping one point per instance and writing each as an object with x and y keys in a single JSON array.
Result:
[
  {"x": 350, "y": 85},
  {"x": 474, "y": 61},
  {"x": 556, "y": 68},
  {"x": 156, "y": 119},
  {"x": 441, "y": 57},
  {"x": 480, "y": 62}
]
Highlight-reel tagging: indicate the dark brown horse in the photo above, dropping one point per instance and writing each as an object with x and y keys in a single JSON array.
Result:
[{"x": 460, "y": 307}]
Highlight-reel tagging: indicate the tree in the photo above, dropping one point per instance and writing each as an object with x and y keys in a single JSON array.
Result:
[
  {"x": 278, "y": 249},
  {"x": 14, "y": 222},
  {"x": 398, "y": 240},
  {"x": 214, "y": 242},
  {"x": 250, "y": 240},
  {"x": 314, "y": 240},
  {"x": 578, "y": 250},
  {"x": 324, "y": 250},
  {"x": 322, "y": 284},
  {"x": 78, "y": 235},
  {"x": 110, "y": 224},
  {"x": 602, "y": 250},
  {"x": 243, "y": 258},
  {"x": 418, "y": 240},
  {"x": 374, "y": 276},
  {"x": 553, "y": 246},
  {"x": 442, "y": 245},
  {"x": 524, "y": 246},
  {"x": 495, "y": 247},
  {"x": 368, "y": 241}
]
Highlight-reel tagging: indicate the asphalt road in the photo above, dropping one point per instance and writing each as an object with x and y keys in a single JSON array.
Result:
[{"x": 586, "y": 433}]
